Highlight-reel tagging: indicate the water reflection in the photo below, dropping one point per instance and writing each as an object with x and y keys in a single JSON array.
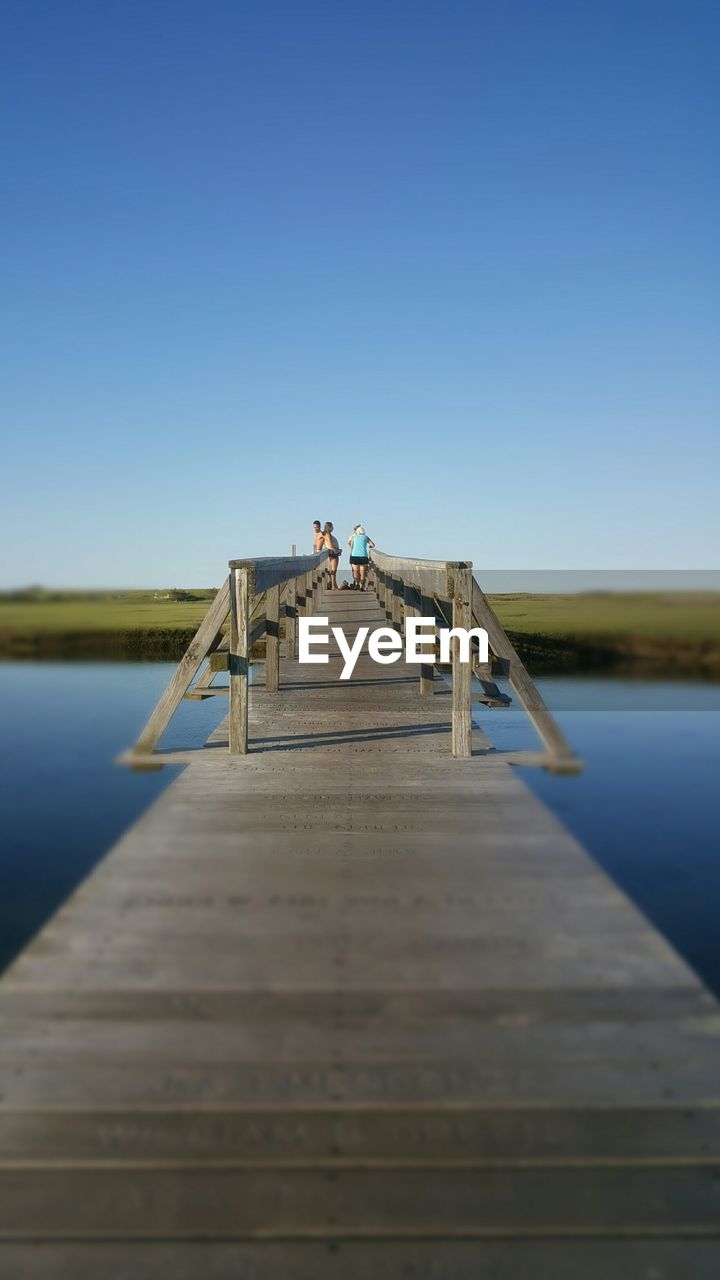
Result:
[{"x": 645, "y": 807}]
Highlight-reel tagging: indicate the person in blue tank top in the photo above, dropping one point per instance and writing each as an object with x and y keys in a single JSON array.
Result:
[{"x": 360, "y": 545}]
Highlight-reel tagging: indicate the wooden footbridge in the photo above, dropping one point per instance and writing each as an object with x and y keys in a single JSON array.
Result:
[{"x": 348, "y": 1001}]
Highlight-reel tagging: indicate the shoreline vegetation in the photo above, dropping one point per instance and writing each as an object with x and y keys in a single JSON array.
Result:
[{"x": 645, "y": 633}]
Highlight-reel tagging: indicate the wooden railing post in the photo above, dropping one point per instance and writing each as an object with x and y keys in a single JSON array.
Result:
[
  {"x": 521, "y": 682},
  {"x": 397, "y": 603},
  {"x": 409, "y": 602},
  {"x": 291, "y": 612},
  {"x": 427, "y": 670},
  {"x": 308, "y": 593},
  {"x": 239, "y": 660},
  {"x": 461, "y": 671},
  {"x": 207, "y": 637},
  {"x": 272, "y": 640}
]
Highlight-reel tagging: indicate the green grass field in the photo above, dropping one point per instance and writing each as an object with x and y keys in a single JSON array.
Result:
[
  {"x": 679, "y": 616},
  {"x": 138, "y": 622},
  {"x": 70, "y": 613}
]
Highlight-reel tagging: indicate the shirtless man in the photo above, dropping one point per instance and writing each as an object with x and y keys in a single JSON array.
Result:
[{"x": 318, "y": 537}]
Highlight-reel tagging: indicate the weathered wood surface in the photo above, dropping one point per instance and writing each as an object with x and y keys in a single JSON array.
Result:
[
  {"x": 272, "y": 571},
  {"x": 520, "y": 680},
  {"x": 433, "y": 576},
  {"x": 347, "y": 1006},
  {"x": 239, "y": 668},
  {"x": 461, "y": 671},
  {"x": 208, "y": 635}
]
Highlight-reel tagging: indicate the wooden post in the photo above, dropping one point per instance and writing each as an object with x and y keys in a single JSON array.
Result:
[
  {"x": 272, "y": 640},
  {"x": 397, "y": 604},
  {"x": 409, "y": 602},
  {"x": 427, "y": 670},
  {"x": 308, "y": 593},
  {"x": 291, "y": 612},
  {"x": 522, "y": 683},
  {"x": 461, "y": 671},
  {"x": 208, "y": 635},
  {"x": 239, "y": 660}
]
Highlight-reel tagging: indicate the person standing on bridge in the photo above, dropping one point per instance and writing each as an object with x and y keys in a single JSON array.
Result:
[
  {"x": 318, "y": 537},
  {"x": 359, "y": 544},
  {"x": 332, "y": 546}
]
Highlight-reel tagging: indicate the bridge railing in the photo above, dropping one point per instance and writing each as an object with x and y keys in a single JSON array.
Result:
[
  {"x": 448, "y": 591},
  {"x": 255, "y": 594},
  {"x": 258, "y": 593}
]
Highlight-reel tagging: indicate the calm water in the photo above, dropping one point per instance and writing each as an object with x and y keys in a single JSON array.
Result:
[{"x": 646, "y": 807}]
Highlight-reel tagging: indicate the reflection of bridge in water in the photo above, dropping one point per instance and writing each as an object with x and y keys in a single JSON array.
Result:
[{"x": 344, "y": 1003}]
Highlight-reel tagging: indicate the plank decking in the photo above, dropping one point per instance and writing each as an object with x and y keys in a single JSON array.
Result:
[{"x": 347, "y": 1006}]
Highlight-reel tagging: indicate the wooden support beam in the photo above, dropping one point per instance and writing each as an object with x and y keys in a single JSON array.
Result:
[
  {"x": 412, "y": 599},
  {"x": 240, "y": 595},
  {"x": 387, "y": 595},
  {"x": 461, "y": 671},
  {"x": 272, "y": 640},
  {"x": 397, "y": 603},
  {"x": 520, "y": 679},
  {"x": 205, "y": 639},
  {"x": 409, "y": 602},
  {"x": 427, "y": 670},
  {"x": 291, "y": 615}
]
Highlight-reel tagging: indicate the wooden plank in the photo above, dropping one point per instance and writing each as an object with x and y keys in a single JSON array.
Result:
[
  {"x": 291, "y": 616},
  {"x": 272, "y": 641},
  {"x": 396, "y": 588},
  {"x": 272, "y": 571},
  {"x": 356, "y": 1006},
  {"x": 430, "y": 575},
  {"x": 427, "y": 670},
  {"x": 239, "y": 661},
  {"x": 484, "y": 1136},
  {"x": 371, "y": 1202},
  {"x": 199, "y": 647},
  {"x": 410, "y": 601},
  {"x": 594, "y": 1259},
  {"x": 461, "y": 671}
]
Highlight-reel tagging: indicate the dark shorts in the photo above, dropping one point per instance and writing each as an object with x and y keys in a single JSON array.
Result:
[
  {"x": 333, "y": 559},
  {"x": 359, "y": 559}
]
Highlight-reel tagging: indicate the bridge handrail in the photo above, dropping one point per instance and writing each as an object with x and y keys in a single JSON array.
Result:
[
  {"x": 443, "y": 589},
  {"x": 273, "y": 571},
  {"x": 240, "y": 596},
  {"x": 449, "y": 588},
  {"x": 437, "y": 576}
]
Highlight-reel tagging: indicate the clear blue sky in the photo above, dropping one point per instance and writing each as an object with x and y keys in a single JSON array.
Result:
[{"x": 446, "y": 268}]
